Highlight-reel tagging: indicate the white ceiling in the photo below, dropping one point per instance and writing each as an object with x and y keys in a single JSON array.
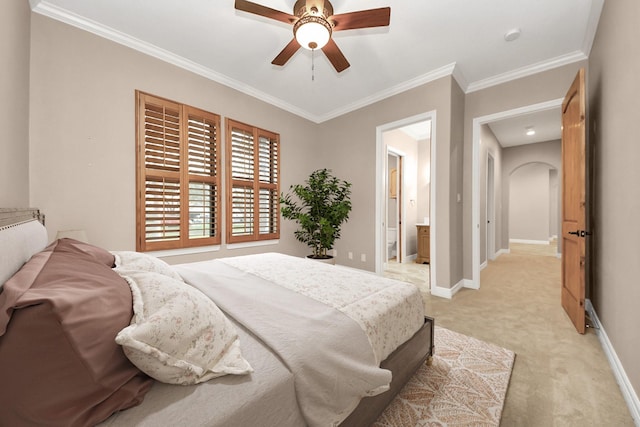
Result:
[
  {"x": 418, "y": 131},
  {"x": 546, "y": 124},
  {"x": 427, "y": 39}
]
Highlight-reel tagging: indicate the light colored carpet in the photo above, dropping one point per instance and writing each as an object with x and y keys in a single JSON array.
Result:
[
  {"x": 560, "y": 378},
  {"x": 465, "y": 386}
]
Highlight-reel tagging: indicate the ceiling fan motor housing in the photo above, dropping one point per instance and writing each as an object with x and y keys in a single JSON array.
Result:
[{"x": 305, "y": 7}]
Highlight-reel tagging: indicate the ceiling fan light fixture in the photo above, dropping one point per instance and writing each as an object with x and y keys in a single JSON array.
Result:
[{"x": 312, "y": 32}]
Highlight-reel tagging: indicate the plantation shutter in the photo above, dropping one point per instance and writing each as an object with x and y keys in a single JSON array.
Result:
[
  {"x": 253, "y": 208},
  {"x": 268, "y": 186},
  {"x": 178, "y": 175},
  {"x": 203, "y": 175}
]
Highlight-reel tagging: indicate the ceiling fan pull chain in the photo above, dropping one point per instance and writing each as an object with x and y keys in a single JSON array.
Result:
[{"x": 313, "y": 72}]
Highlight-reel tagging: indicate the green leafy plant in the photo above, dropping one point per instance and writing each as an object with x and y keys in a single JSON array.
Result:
[{"x": 320, "y": 208}]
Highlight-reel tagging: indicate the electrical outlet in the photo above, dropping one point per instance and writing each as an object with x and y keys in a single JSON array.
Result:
[
  {"x": 363, "y": 258},
  {"x": 350, "y": 255}
]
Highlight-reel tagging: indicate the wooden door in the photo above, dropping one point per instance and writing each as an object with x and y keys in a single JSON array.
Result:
[{"x": 574, "y": 202}]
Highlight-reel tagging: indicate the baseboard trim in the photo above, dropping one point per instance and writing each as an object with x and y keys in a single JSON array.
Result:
[
  {"x": 483, "y": 266},
  {"x": 410, "y": 258},
  {"x": 468, "y": 283},
  {"x": 441, "y": 292},
  {"x": 447, "y": 293},
  {"x": 529, "y": 242},
  {"x": 502, "y": 252},
  {"x": 629, "y": 394}
]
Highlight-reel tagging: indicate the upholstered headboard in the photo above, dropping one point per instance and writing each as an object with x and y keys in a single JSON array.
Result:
[{"x": 22, "y": 234}]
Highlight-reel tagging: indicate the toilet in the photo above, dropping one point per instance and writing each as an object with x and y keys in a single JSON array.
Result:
[{"x": 392, "y": 239}]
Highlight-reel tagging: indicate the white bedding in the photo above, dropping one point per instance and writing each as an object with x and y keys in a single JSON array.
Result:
[
  {"x": 329, "y": 354},
  {"x": 270, "y": 395},
  {"x": 379, "y": 305},
  {"x": 266, "y": 397}
]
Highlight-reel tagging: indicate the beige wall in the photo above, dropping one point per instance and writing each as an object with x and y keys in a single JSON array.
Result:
[
  {"x": 424, "y": 179},
  {"x": 555, "y": 203},
  {"x": 614, "y": 104},
  {"x": 490, "y": 145},
  {"x": 529, "y": 203},
  {"x": 83, "y": 132},
  {"x": 14, "y": 103},
  {"x": 456, "y": 187}
]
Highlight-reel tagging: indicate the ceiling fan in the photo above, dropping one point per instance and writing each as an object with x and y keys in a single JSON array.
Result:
[{"x": 313, "y": 24}]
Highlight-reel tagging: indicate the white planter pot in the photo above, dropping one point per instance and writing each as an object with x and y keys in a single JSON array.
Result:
[{"x": 331, "y": 260}]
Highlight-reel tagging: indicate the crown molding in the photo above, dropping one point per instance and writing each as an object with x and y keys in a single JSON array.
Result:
[
  {"x": 54, "y": 12},
  {"x": 447, "y": 70},
  {"x": 460, "y": 78},
  {"x": 529, "y": 70}
]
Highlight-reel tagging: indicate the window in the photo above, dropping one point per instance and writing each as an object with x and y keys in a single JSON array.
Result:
[
  {"x": 253, "y": 183},
  {"x": 178, "y": 175}
]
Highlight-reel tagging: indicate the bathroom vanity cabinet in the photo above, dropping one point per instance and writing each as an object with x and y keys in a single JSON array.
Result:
[{"x": 423, "y": 244}]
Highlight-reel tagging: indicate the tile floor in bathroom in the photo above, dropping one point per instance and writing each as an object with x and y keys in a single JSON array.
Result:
[{"x": 411, "y": 272}]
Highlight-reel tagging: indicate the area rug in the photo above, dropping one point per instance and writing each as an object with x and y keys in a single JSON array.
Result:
[{"x": 465, "y": 386}]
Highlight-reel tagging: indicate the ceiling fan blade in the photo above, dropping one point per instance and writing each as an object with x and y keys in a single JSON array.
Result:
[
  {"x": 267, "y": 12},
  {"x": 335, "y": 56},
  {"x": 286, "y": 53},
  {"x": 362, "y": 19}
]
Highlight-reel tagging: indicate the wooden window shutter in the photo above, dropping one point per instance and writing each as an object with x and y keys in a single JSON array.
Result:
[
  {"x": 268, "y": 185},
  {"x": 177, "y": 155},
  {"x": 253, "y": 208},
  {"x": 203, "y": 176}
]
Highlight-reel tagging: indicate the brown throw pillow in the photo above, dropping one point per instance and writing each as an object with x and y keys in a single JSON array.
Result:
[{"x": 59, "y": 363}]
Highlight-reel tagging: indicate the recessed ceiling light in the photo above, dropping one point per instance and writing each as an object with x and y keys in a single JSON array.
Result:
[
  {"x": 511, "y": 35},
  {"x": 530, "y": 131}
]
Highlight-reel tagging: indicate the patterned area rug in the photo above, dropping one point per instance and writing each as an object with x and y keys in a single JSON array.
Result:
[{"x": 465, "y": 386}]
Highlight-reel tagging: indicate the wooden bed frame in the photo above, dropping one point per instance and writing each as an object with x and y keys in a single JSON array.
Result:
[{"x": 403, "y": 362}]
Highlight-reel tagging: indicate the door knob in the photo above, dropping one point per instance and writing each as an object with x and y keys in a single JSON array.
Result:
[{"x": 580, "y": 233}]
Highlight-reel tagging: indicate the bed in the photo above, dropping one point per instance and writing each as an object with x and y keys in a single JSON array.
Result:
[{"x": 83, "y": 330}]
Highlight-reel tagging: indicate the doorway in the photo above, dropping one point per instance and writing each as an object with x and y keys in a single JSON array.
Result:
[
  {"x": 478, "y": 122},
  {"x": 416, "y": 188}
]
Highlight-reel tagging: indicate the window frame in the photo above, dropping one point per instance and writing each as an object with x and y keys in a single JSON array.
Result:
[
  {"x": 255, "y": 183},
  {"x": 184, "y": 176}
]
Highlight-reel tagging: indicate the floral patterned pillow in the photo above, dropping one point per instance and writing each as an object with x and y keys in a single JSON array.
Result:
[
  {"x": 138, "y": 261},
  {"x": 177, "y": 334}
]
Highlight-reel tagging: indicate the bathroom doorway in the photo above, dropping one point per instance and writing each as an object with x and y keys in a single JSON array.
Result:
[
  {"x": 394, "y": 206},
  {"x": 404, "y": 152}
]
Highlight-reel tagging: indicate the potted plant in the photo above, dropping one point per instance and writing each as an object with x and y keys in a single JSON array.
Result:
[{"x": 319, "y": 207}]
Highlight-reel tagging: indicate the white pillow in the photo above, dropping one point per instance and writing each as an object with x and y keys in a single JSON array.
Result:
[
  {"x": 177, "y": 334},
  {"x": 139, "y": 261}
]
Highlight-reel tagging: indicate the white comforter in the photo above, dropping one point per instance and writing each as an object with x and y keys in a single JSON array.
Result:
[
  {"x": 321, "y": 320},
  {"x": 389, "y": 311}
]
